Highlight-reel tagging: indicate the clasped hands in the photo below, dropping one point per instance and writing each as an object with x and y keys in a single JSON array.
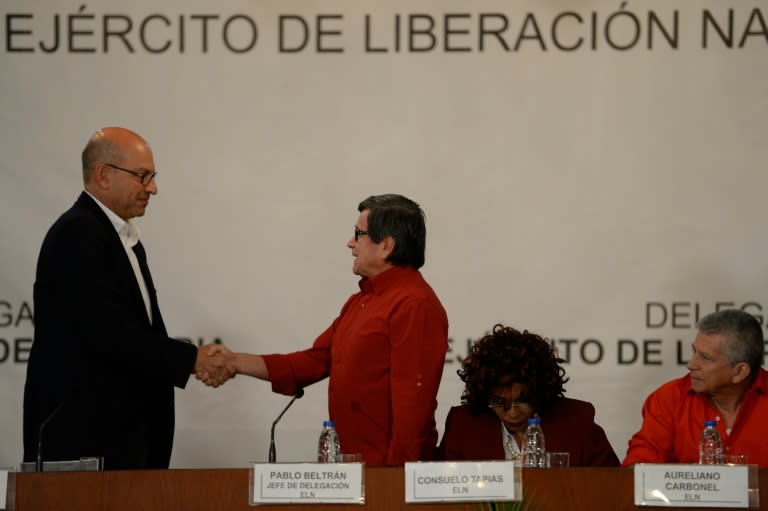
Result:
[{"x": 215, "y": 364}]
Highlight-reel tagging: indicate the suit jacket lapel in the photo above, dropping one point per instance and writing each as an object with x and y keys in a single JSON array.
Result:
[{"x": 85, "y": 201}]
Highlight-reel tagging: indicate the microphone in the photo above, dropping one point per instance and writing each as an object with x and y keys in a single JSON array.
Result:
[
  {"x": 39, "y": 458},
  {"x": 272, "y": 454}
]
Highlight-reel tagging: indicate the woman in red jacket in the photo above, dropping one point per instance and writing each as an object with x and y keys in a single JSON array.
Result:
[{"x": 509, "y": 377}]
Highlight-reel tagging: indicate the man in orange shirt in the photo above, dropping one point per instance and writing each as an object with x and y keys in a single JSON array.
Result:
[{"x": 725, "y": 383}]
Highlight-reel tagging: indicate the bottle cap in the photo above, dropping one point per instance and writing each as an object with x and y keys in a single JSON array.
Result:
[
  {"x": 329, "y": 424},
  {"x": 708, "y": 424}
]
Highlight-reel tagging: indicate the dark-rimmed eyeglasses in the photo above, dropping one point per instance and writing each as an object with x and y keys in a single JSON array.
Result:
[
  {"x": 145, "y": 177},
  {"x": 503, "y": 404},
  {"x": 359, "y": 233}
]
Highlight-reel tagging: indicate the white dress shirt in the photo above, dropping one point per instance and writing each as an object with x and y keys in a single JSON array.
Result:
[{"x": 129, "y": 234}]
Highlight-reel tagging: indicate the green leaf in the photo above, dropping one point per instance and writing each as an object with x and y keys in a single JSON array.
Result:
[{"x": 521, "y": 505}]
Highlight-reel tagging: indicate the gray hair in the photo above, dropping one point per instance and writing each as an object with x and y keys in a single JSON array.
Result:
[{"x": 744, "y": 337}]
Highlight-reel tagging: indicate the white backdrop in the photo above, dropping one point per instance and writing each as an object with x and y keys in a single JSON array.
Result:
[{"x": 610, "y": 192}]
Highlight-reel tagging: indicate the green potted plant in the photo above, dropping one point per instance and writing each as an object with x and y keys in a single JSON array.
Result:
[{"x": 526, "y": 504}]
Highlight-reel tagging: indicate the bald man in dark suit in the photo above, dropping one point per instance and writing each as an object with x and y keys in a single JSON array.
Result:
[{"x": 102, "y": 369}]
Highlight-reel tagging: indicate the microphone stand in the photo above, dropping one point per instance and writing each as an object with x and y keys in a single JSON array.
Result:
[
  {"x": 39, "y": 459},
  {"x": 272, "y": 451}
]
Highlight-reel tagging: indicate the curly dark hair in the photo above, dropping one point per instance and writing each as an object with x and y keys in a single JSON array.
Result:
[{"x": 508, "y": 356}]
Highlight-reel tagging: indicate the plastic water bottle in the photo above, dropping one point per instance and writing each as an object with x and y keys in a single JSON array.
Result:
[
  {"x": 328, "y": 448},
  {"x": 533, "y": 447},
  {"x": 710, "y": 446}
]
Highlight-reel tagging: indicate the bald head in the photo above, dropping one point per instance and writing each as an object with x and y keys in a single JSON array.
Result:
[
  {"x": 110, "y": 145},
  {"x": 114, "y": 163}
]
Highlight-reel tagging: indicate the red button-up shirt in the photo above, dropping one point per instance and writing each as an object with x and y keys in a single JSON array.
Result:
[
  {"x": 384, "y": 355},
  {"x": 673, "y": 419}
]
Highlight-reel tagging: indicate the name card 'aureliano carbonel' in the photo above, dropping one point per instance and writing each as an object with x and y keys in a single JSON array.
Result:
[{"x": 666, "y": 485}]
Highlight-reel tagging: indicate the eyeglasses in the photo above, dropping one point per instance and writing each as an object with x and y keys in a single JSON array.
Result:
[
  {"x": 146, "y": 177},
  {"x": 497, "y": 402},
  {"x": 359, "y": 233}
]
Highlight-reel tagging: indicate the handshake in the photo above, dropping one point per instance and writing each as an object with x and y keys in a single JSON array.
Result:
[{"x": 215, "y": 364}]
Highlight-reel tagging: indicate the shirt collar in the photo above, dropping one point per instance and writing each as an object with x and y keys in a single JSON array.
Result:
[
  {"x": 511, "y": 449},
  {"x": 128, "y": 231},
  {"x": 759, "y": 385},
  {"x": 384, "y": 280},
  {"x": 761, "y": 382}
]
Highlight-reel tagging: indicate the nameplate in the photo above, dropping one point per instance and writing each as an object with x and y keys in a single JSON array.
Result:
[
  {"x": 306, "y": 483},
  {"x": 464, "y": 481},
  {"x": 665, "y": 485},
  {"x": 3, "y": 488}
]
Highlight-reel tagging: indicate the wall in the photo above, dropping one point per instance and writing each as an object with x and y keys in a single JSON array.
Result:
[{"x": 592, "y": 171}]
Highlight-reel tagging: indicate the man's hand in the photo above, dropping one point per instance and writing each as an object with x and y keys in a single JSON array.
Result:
[{"x": 215, "y": 364}]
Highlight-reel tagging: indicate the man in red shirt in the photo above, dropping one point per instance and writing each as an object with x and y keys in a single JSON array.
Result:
[
  {"x": 385, "y": 352},
  {"x": 726, "y": 383}
]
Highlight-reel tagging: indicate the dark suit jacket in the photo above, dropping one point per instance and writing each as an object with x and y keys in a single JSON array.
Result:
[
  {"x": 568, "y": 426},
  {"x": 95, "y": 352}
]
